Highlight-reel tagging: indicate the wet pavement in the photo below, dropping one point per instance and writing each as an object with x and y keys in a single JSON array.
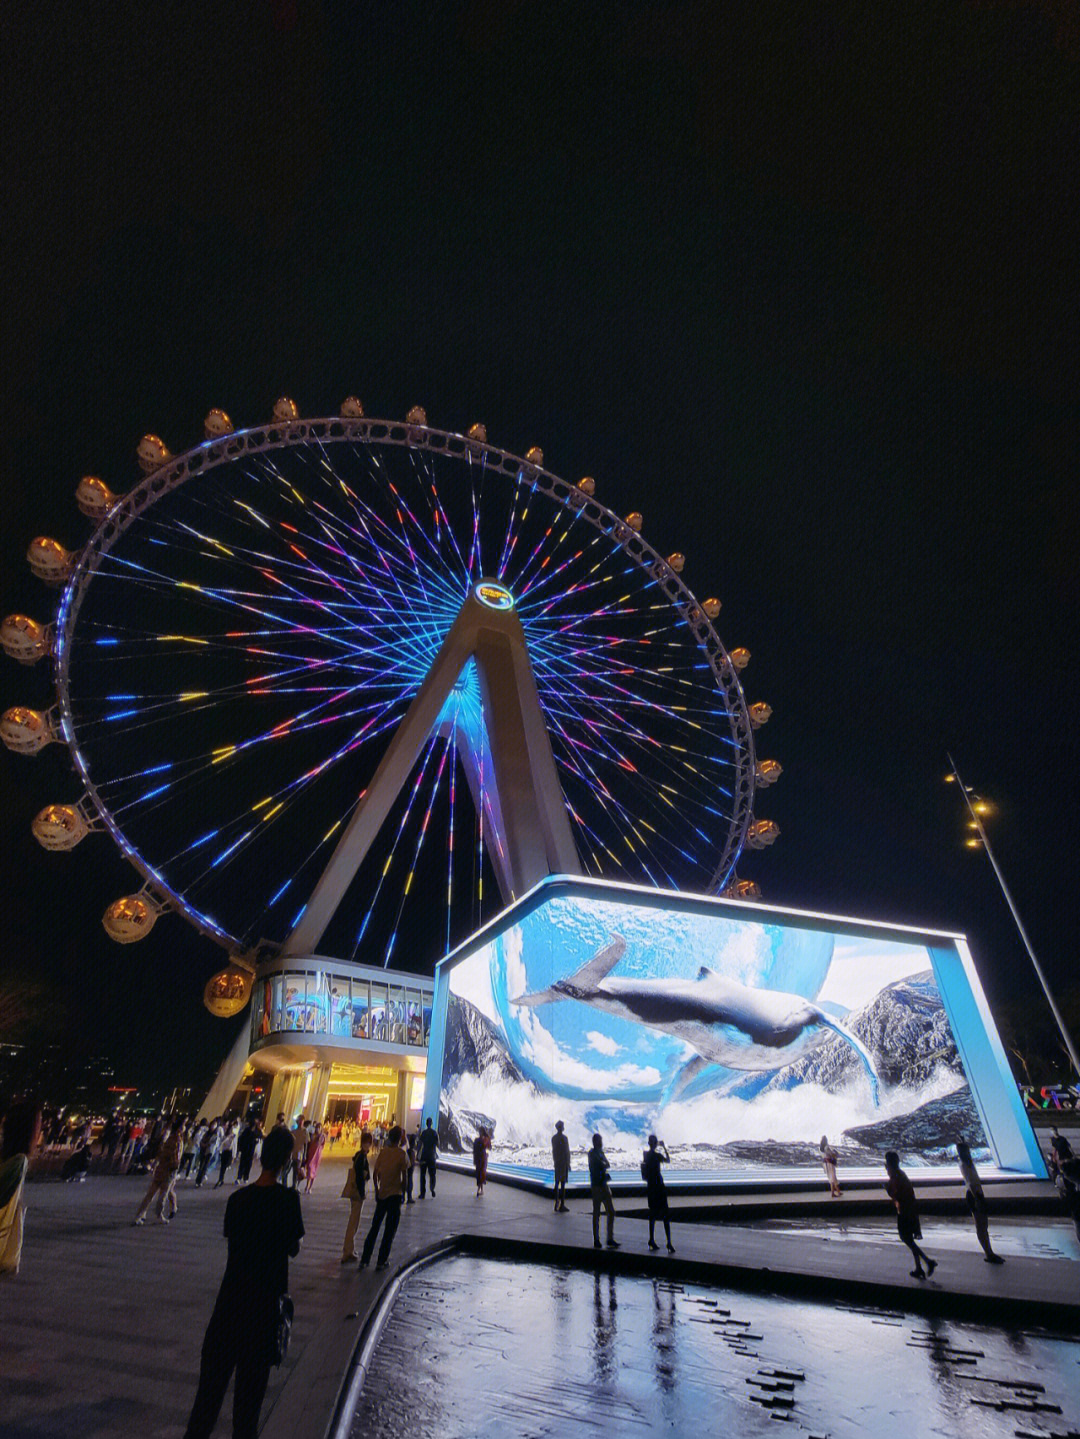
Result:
[
  {"x": 480, "y": 1347},
  {"x": 1017, "y": 1238},
  {"x": 101, "y": 1330}
]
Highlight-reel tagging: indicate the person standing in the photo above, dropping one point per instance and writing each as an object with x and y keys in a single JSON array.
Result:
[
  {"x": 313, "y": 1157},
  {"x": 299, "y": 1154},
  {"x": 976, "y": 1202},
  {"x": 902, "y": 1193},
  {"x": 601, "y": 1193},
  {"x": 560, "y": 1163},
  {"x": 22, "y": 1132},
  {"x": 138, "y": 1139},
  {"x": 109, "y": 1135},
  {"x": 264, "y": 1229},
  {"x": 829, "y": 1159},
  {"x": 228, "y": 1142},
  {"x": 656, "y": 1190},
  {"x": 246, "y": 1146},
  {"x": 388, "y": 1177},
  {"x": 429, "y": 1149},
  {"x": 1060, "y": 1153},
  {"x": 163, "y": 1180},
  {"x": 355, "y": 1189},
  {"x": 1070, "y": 1190}
]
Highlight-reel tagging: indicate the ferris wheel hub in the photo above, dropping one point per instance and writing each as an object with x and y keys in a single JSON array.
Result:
[{"x": 493, "y": 595}]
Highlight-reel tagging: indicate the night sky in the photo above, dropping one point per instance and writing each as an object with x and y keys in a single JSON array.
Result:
[{"x": 798, "y": 282}]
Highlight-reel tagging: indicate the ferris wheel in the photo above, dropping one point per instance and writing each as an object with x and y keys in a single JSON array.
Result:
[{"x": 244, "y": 636}]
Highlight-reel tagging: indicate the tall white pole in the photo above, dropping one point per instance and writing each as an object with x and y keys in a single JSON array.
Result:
[{"x": 1058, "y": 1017}]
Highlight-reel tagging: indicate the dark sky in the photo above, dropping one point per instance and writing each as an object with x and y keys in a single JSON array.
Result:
[{"x": 799, "y": 282}]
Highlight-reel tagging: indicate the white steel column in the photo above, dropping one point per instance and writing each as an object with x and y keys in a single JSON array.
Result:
[{"x": 536, "y": 835}]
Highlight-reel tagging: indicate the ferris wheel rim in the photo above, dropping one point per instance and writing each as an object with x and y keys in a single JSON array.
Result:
[{"x": 260, "y": 439}]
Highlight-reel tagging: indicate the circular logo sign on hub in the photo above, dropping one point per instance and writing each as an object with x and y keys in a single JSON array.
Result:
[{"x": 493, "y": 595}]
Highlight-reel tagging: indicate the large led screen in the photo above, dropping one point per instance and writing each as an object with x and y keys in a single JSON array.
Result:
[{"x": 740, "y": 1040}]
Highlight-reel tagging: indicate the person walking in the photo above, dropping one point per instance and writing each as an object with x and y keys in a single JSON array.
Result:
[
  {"x": 314, "y": 1155},
  {"x": 902, "y": 1193},
  {"x": 264, "y": 1229},
  {"x": 409, "y": 1144},
  {"x": 388, "y": 1177},
  {"x": 479, "y": 1157},
  {"x": 158, "y": 1130},
  {"x": 192, "y": 1139},
  {"x": 163, "y": 1180},
  {"x": 976, "y": 1202},
  {"x": 429, "y": 1149},
  {"x": 355, "y": 1189},
  {"x": 829, "y": 1159},
  {"x": 208, "y": 1146},
  {"x": 560, "y": 1163},
  {"x": 246, "y": 1146},
  {"x": 601, "y": 1193},
  {"x": 228, "y": 1143},
  {"x": 656, "y": 1190}
]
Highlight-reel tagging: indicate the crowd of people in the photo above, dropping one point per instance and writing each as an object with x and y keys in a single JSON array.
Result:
[{"x": 263, "y": 1222}]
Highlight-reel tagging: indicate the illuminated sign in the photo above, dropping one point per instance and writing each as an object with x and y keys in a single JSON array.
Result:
[{"x": 494, "y": 595}]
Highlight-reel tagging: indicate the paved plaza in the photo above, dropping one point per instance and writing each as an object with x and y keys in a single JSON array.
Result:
[{"x": 102, "y": 1329}]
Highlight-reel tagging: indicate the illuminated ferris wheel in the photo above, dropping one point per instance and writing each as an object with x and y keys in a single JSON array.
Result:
[{"x": 278, "y": 674}]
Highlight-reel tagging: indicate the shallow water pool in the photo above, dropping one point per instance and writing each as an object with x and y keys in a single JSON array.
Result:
[{"x": 484, "y": 1348}]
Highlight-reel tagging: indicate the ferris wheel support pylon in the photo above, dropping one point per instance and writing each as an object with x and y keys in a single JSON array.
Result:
[{"x": 529, "y": 805}]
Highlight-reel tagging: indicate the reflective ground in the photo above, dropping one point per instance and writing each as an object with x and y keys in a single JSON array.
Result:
[
  {"x": 1020, "y": 1236},
  {"x": 486, "y": 1348}
]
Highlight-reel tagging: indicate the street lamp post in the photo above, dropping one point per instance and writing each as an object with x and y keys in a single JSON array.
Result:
[{"x": 977, "y": 825}]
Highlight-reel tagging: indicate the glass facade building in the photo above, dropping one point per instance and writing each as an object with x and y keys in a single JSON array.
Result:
[{"x": 334, "y": 1040}]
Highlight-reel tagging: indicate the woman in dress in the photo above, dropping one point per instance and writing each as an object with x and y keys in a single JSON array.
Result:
[
  {"x": 314, "y": 1155},
  {"x": 829, "y": 1158},
  {"x": 656, "y": 1190}
]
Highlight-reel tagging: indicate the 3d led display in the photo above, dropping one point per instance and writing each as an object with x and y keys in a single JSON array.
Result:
[{"x": 738, "y": 1034}]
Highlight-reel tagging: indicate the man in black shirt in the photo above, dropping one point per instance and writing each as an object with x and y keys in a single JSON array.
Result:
[
  {"x": 264, "y": 1228},
  {"x": 427, "y": 1147},
  {"x": 246, "y": 1146}
]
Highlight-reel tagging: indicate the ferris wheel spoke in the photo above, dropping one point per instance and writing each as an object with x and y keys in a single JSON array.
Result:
[
  {"x": 428, "y": 751},
  {"x": 421, "y": 835}
]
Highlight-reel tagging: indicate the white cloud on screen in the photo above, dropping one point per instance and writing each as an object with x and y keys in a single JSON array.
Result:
[
  {"x": 602, "y": 1043},
  {"x": 861, "y": 968}
]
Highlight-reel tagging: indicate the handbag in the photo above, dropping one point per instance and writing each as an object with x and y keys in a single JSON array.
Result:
[{"x": 282, "y": 1329}]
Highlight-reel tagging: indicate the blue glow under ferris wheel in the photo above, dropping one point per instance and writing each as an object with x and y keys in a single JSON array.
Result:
[{"x": 248, "y": 634}]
